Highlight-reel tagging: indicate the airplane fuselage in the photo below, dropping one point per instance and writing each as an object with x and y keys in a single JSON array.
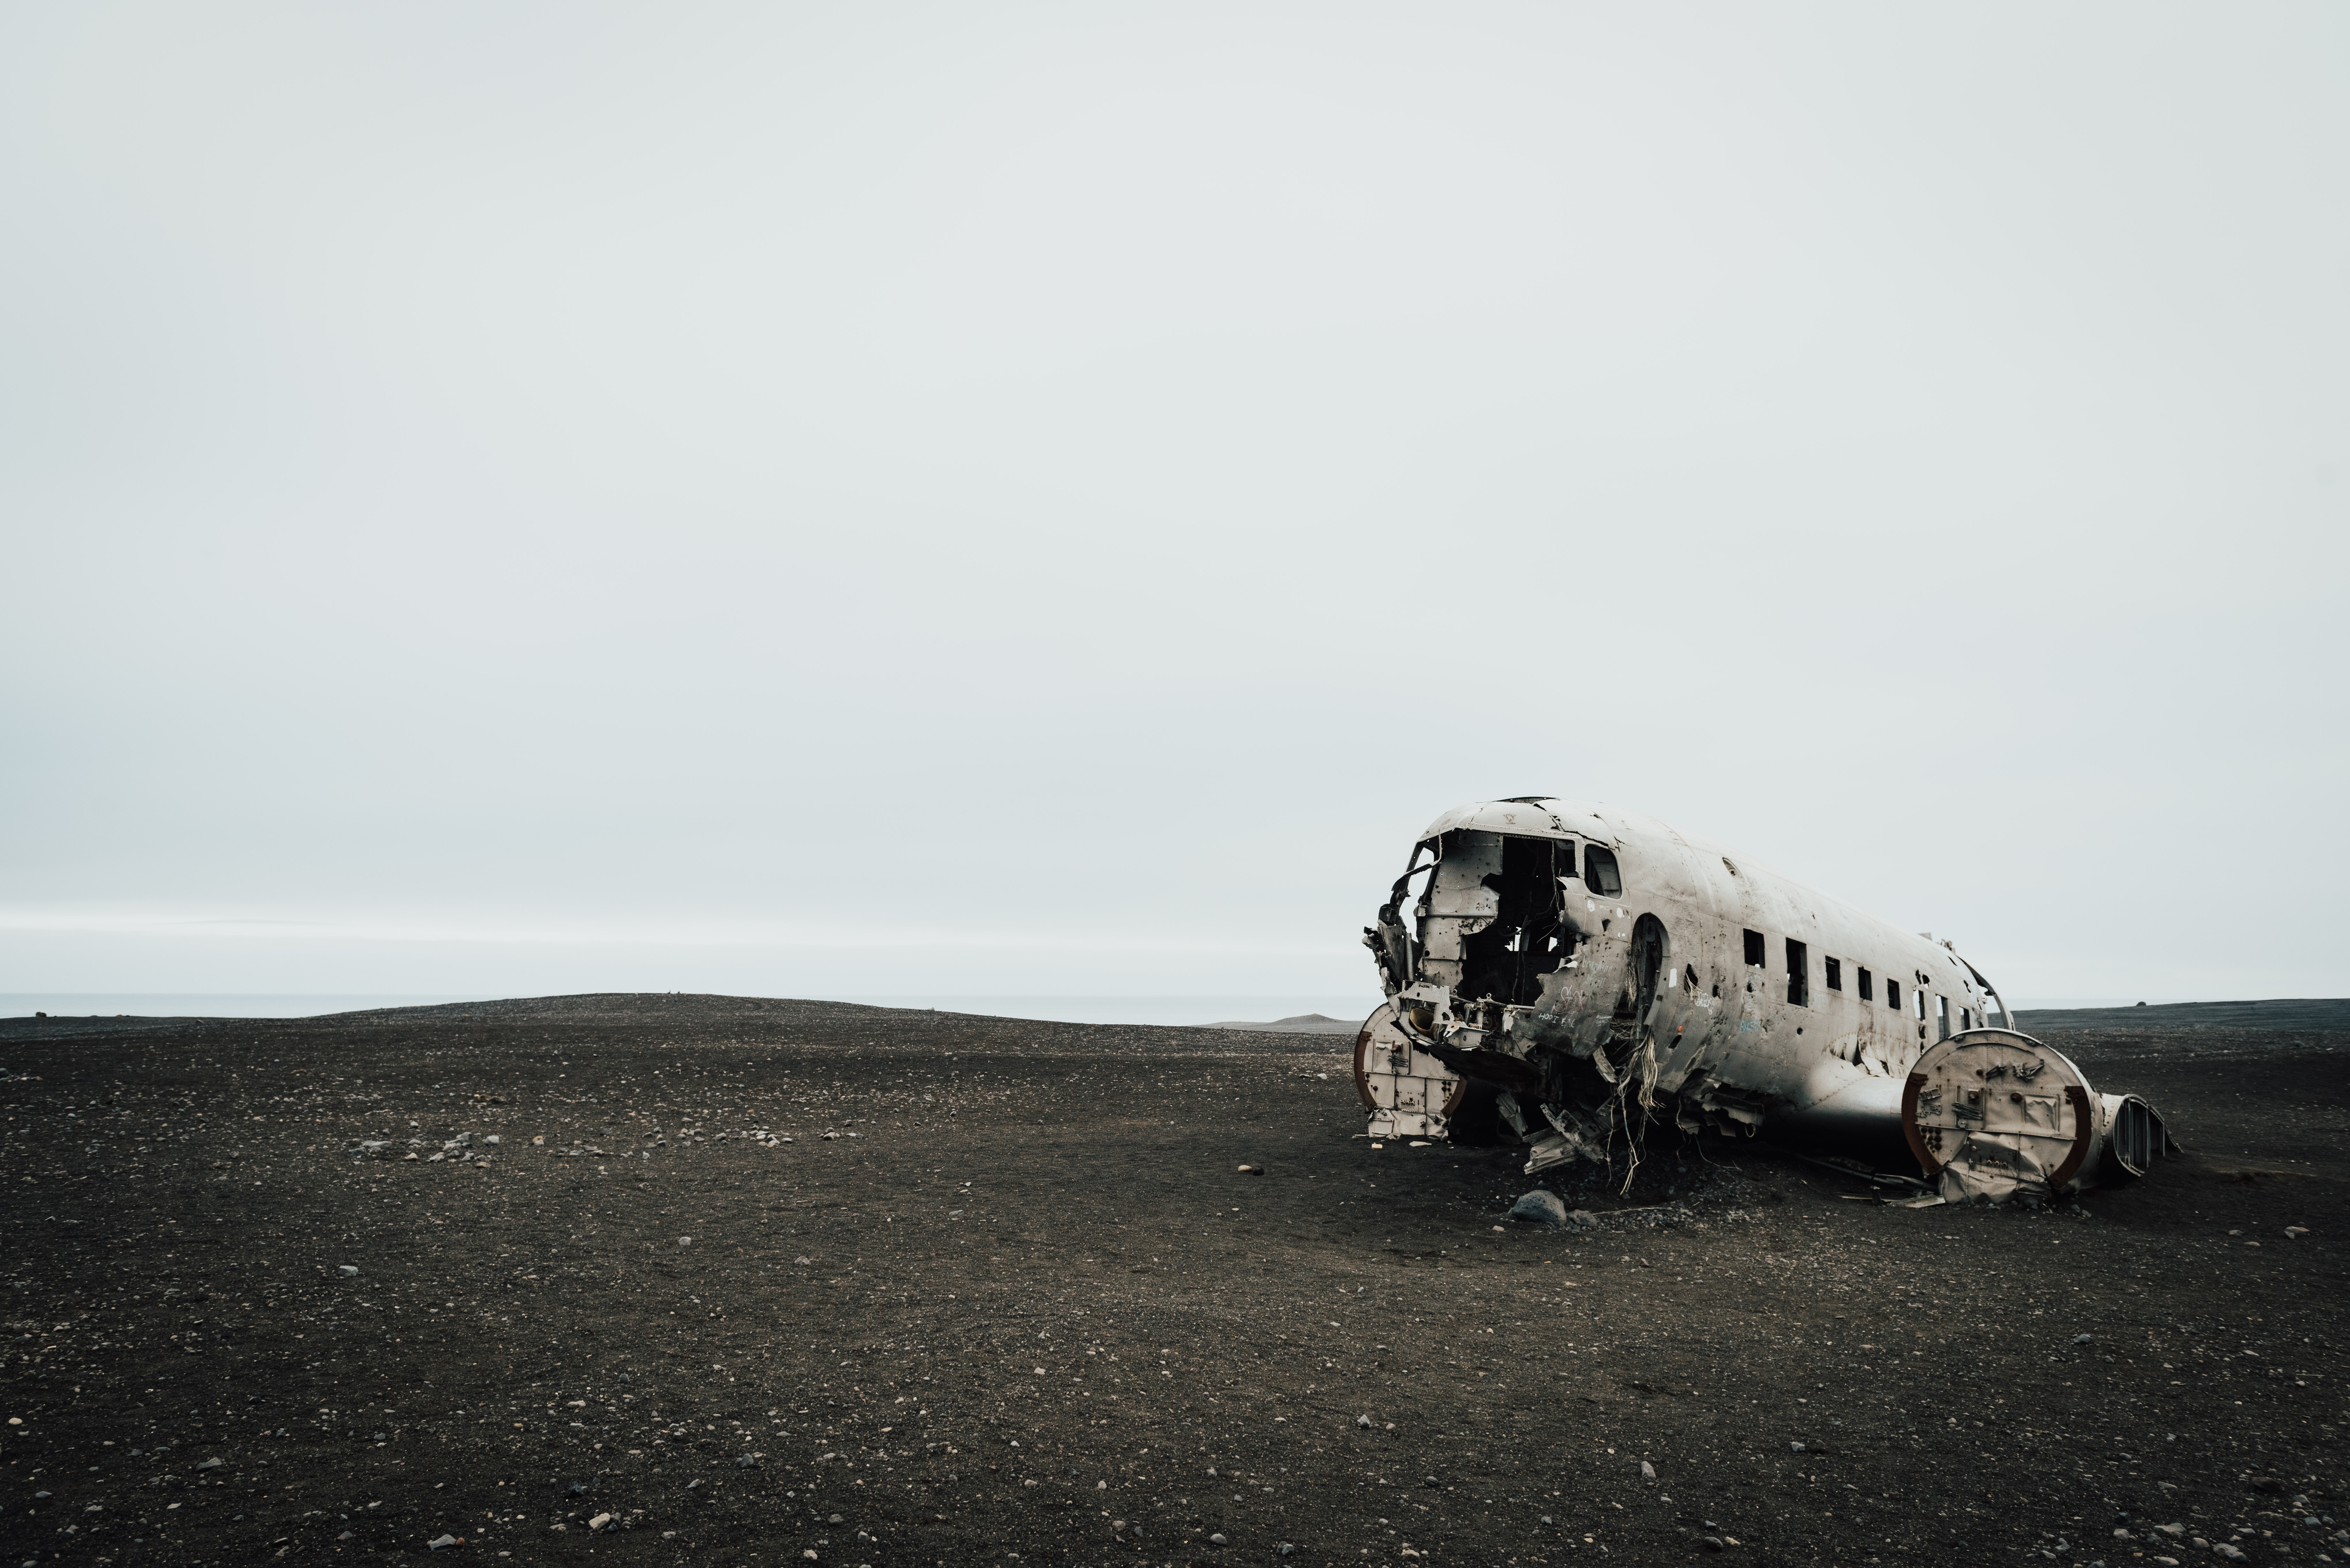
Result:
[{"x": 1571, "y": 968}]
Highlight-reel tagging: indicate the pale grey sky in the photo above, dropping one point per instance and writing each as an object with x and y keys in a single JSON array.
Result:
[{"x": 899, "y": 499}]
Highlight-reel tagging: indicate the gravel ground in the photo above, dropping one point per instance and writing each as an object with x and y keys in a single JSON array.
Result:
[{"x": 1006, "y": 1294}]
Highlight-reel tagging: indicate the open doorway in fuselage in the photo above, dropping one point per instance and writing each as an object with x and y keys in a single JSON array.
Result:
[{"x": 1648, "y": 966}]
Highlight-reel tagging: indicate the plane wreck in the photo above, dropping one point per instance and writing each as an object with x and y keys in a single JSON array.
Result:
[{"x": 1566, "y": 977}]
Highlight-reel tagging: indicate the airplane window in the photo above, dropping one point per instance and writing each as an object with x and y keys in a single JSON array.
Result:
[
  {"x": 1754, "y": 948},
  {"x": 1599, "y": 871},
  {"x": 1917, "y": 1002},
  {"x": 1835, "y": 973},
  {"x": 1893, "y": 994},
  {"x": 1866, "y": 993},
  {"x": 1799, "y": 973}
]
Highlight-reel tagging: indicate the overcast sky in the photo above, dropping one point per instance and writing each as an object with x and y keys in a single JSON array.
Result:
[{"x": 1052, "y": 499}]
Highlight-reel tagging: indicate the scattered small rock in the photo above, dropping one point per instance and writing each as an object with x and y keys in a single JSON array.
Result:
[
  {"x": 444, "y": 1542},
  {"x": 1216, "y": 1540},
  {"x": 1539, "y": 1207},
  {"x": 1647, "y": 1470},
  {"x": 600, "y": 1522},
  {"x": 2082, "y": 1338},
  {"x": 349, "y": 1271},
  {"x": 1364, "y": 1422}
]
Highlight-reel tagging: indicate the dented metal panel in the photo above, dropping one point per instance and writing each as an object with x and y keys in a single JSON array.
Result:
[
  {"x": 1405, "y": 1092},
  {"x": 1566, "y": 975}
]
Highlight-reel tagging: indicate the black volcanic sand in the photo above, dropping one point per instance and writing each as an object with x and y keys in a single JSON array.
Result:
[{"x": 1007, "y": 1293}]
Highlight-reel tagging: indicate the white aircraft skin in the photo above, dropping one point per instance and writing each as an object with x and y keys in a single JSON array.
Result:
[{"x": 1565, "y": 973}]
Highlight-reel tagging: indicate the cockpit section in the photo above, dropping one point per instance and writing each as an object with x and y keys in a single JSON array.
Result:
[
  {"x": 1496, "y": 920},
  {"x": 1480, "y": 968},
  {"x": 1493, "y": 917}
]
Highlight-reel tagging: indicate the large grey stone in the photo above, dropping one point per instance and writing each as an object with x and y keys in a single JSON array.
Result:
[{"x": 1539, "y": 1207}]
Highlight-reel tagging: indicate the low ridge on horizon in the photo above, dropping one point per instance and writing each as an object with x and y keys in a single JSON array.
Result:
[{"x": 2274, "y": 1013}]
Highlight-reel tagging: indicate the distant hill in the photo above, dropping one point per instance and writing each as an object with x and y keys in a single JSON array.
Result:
[
  {"x": 1304, "y": 1023},
  {"x": 2284, "y": 1013},
  {"x": 765, "y": 1018},
  {"x": 633, "y": 1009}
]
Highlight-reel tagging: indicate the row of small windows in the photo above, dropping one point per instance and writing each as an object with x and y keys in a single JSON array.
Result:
[{"x": 1799, "y": 982}]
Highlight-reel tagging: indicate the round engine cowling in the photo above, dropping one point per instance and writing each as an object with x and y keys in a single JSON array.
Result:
[{"x": 1993, "y": 1115}]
